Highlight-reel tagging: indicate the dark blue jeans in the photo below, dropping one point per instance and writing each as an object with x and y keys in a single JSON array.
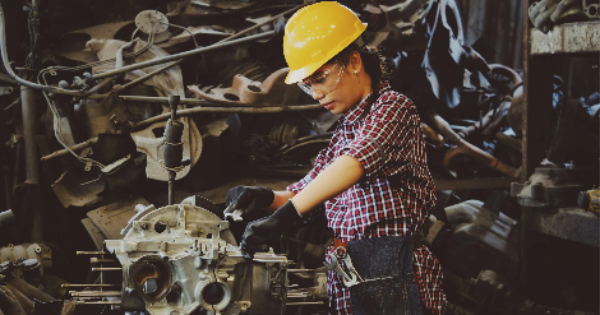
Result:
[{"x": 386, "y": 265}]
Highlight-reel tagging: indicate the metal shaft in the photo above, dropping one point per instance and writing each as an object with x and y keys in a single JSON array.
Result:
[
  {"x": 28, "y": 110},
  {"x": 182, "y": 55},
  {"x": 96, "y": 293},
  {"x": 107, "y": 269},
  {"x": 95, "y": 260},
  {"x": 172, "y": 175},
  {"x": 90, "y": 252},
  {"x": 88, "y": 285},
  {"x": 100, "y": 302}
]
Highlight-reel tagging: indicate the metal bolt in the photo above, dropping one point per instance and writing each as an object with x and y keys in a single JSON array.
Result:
[
  {"x": 144, "y": 226},
  {"x": 174, "y": 313},
  {"x": 38, "y": 249}
]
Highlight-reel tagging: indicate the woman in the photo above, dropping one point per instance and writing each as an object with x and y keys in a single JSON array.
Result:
[{"x": 373, "y": 176}]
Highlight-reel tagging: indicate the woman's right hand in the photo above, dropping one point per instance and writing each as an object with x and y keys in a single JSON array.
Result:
[{"x": 246, "y": 199}]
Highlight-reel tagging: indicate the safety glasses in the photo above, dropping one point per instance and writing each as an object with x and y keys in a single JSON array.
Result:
[{"x": 325, "y": 81}]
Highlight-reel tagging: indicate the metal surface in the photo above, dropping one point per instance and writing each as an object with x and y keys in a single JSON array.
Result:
[
  {"x": 582, "y": 37},
  {"x": 572, "y": 224},
  {"x": 112, "y": 218},
  {"x": 175, "y": 258}
]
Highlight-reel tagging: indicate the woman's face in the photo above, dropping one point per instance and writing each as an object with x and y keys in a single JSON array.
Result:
[{"x": 338, "y": 86}]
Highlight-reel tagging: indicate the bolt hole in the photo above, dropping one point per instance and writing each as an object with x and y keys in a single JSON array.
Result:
[
  {"x": 160, "y": 227},
  {"x": 231, "y": 97},
  {"x": 209, "y": 235},
  {"x": 213, "y": 293},
  {"x": 254, "y": 88},
  {"x": 593, "y": 10}
]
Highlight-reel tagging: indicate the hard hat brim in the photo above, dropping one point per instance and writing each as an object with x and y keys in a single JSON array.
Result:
[{"x": 298, "y": 75}]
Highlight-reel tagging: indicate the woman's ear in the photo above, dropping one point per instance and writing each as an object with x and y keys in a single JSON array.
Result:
[{"x": 354, "y": 62}]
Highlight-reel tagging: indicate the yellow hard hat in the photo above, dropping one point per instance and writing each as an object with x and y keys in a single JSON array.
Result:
[{"x": 315, "y": 34}]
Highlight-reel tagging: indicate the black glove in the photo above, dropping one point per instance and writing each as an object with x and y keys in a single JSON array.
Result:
[
  {"x": 260, "y": 231},
  {"x": 247, "y": 199}
]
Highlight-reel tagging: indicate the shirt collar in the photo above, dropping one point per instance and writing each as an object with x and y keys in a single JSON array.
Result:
[{"x": 353, "y": 115}]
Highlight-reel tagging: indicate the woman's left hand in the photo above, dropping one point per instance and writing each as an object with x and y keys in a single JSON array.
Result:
[{"x": 259, "y": 232}]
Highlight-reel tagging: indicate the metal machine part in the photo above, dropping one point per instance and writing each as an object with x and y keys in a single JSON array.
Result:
[
  {"x": 476, "y": 239},
  {"x": 245, "y": 92},
  {"x": 152, "y": 21},
  {"x": 591, "y": 9},
  {"x": 182, "y": 258},
  {"x": 24, "y": 252}
]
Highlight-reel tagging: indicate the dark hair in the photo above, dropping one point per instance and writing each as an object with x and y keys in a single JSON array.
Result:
[{"x": 372, "y": 62}]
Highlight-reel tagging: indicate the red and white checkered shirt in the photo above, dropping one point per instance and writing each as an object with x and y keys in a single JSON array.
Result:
[{"x": 388, "y": 142}]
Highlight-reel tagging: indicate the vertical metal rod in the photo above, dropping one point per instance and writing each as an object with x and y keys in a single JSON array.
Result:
[
  {"x": 173, "y": 103},
  {"x": 171, "y": 187},
  {"x": 28, "y": 111}
]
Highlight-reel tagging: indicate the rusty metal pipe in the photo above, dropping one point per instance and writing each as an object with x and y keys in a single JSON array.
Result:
[
  {"x": 29, "y": 290},
  {"x": 464, "y": 147},
  {"x": 244, "y": 110},
  {"x": 147, "y": 76},
  {"x": 28, "y": 111},
  {"x": 182, "y": 55},
  {"x": 15, "y": 301},
  {"x": 76, "y": 147}
]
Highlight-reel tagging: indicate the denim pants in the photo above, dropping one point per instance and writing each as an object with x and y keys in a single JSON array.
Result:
[{"x": 386, "y": 265}]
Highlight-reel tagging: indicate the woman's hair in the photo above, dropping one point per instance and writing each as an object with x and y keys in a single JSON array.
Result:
[{"x": 372, "y": 62}]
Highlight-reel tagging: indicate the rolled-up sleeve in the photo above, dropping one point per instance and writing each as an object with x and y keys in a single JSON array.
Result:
[{"x": 386, "y": 130}]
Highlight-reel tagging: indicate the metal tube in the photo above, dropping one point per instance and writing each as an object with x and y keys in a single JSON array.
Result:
[
  {"x": 96, "y": 293},
  {"x": 88, "y": 285},
  {"x": 182, "y": 55},
  {"x": 245, "y": 110},
  {"x": 107, "y": 269},
  {"x": 100, "y": 302},
  {"x": 147, "y": 76},
  {"x": 95, "y": 260},
  {"x": 464, "y": 147},
  {"x": 29, "y": 131},
  {"x": 172, "y": 175},
  {"x": 90, "y": 252},
  {"x": 76, "y": 147},
  {"x": 29, "y": 290}
]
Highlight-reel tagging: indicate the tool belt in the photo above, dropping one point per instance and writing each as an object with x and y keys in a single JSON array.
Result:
[{"x": 365, "y": 251}]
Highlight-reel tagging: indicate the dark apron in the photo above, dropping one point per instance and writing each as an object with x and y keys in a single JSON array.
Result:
[{"x": 386, "y": 265}]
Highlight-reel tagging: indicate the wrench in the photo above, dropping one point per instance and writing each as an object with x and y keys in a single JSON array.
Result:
[{"x": 348, "y": 280}]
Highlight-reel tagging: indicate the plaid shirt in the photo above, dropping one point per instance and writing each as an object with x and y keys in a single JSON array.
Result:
[{"x": 389, "y": 143}]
